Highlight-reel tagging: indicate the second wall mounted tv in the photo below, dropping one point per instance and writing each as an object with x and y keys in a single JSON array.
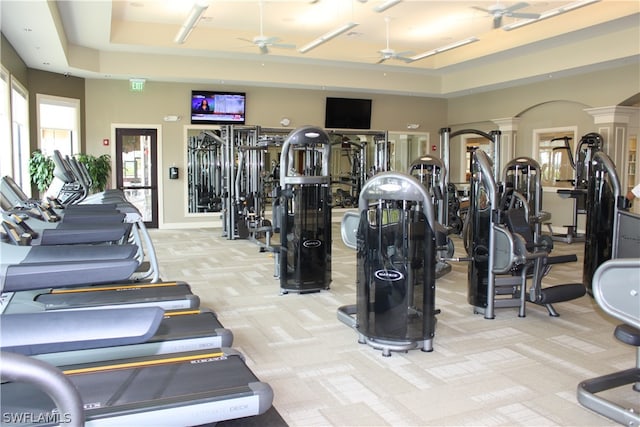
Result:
[
  {"x": 348, "y": 113},
  {"x": 213, "y": 107}
]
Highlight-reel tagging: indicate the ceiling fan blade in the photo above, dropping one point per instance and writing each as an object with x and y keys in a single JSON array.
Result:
[
  {"x": 381, "y": 60},
  {"x": 269, "y": 40},
  {"x": 405, "y": 54},
  {"x": 524, "y": 15},
  {"x": 404, "y": 58},
  {"x": 283, "y": 45},
  {"x": 245, "y": 40},
  {"x": 482, "y": 9}
]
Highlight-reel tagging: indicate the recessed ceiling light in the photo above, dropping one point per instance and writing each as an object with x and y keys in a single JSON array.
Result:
[
  {"x": 27, "y": 29},
  {"x": 136, "y": 4}
]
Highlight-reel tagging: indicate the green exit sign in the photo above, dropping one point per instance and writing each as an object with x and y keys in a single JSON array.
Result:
[{"x": 136, "y": 85}]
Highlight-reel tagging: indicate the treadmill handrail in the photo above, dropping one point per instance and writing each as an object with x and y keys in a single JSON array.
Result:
[
  {"x": 48, "y": 332},
  {"x": 19, "y": 368}
]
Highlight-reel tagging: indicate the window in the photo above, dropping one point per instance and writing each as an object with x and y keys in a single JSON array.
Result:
[
  {"x": 58, "y": 124},
  {"x": 6, "y": 167},
  {"x": 555, "y": 153},
  {"x": 20, "y": 135}
]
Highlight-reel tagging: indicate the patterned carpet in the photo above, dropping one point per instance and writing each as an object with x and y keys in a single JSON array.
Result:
[{"x": 508, "y": 371}]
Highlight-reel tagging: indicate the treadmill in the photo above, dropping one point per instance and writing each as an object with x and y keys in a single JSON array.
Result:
[
  {"x": 189, "y": 388},
  {"x": 28, "y": 276},
  {"x": 111, "y": 212}
]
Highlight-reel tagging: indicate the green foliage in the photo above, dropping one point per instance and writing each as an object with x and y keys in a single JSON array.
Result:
[
  {"x": 99, "y": 169},
  {"x": 41, "y": 170}
]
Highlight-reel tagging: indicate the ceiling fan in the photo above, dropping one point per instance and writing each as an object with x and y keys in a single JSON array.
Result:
[
  {"x": 388, "y": 53},
  {"x": 497, "y": 11},
  {"x": 265, "y": 42}
]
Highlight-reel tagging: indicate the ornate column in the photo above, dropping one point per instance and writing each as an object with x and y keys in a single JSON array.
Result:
[
  {"x": 618, "y": 126},
  {"x": 509, "y": 130}
]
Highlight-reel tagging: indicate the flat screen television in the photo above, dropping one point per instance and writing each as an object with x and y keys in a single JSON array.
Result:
[
  {"x": 213, "y": 107},
  {"x": 347, "y": 113}
]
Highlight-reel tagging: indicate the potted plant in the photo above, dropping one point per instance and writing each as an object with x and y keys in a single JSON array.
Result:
[
  {"x": 99, "y": 170},
  {"x": 41, "y": 170}
]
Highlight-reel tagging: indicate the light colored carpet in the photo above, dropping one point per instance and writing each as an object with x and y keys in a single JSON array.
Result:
[{"x": 508, "y": 371}]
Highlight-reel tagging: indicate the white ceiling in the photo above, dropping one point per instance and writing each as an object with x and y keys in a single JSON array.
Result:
[{"x": 124, "y": 39}]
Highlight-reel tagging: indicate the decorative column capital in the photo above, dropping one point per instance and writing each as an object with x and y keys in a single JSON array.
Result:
[
  {"x": 507, "y": 124},
  {"x": 613, "y": 114}
]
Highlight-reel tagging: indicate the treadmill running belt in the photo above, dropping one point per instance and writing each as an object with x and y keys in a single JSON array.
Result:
[
  {"x": 189, "y": 388},
  {"x": 135, "y": 295}
]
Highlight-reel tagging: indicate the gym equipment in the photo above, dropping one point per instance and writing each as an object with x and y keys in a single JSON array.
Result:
[
  {"x": 244, "y": 198},
  {"x": 104, "y": 207},
  {"x": 204, "y": 172},
  {"x": 64, "y": 337},
  {"x": 196, "y": 387},
  {"x": 612, "y": 231},
  {"x": 616, "y": 289},
  {"x": 354, "y": 152},
  {"x": 396, "y": 264},
  {"x": 589, "y": 144},
  {"x": 22, "y": 369},
  {"x": 28, "y": 274},
  {"x": 504, "y": 241},
  {"x": 430, "y": 171},
  {"x": 451, "y": 210},
  {"x": 304, "y": 257}
]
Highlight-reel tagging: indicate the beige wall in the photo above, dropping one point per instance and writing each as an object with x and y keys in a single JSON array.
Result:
[
  {"x": 550, "y": 103},
  {"x": 109, "y": 102}
]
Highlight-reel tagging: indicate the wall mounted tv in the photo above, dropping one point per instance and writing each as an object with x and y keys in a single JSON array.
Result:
[
  {"x": 347, "y": 113},
  {"x": 212, "y": 107}
]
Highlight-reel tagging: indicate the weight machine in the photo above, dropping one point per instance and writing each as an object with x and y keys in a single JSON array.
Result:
[
  {"x": 612, "y": 230},
  {"x": 304, "y": 259},
  {"x": 506, "y": 246},
  {"x": 589, "y": 144},
  {"x": 395, "y": 234},
  {"x": 204, "y": 160},
  {"x": 355, "y": 154},
  {"x": 431, "y": 173},
  {"x": 450, "y": 210},
  {"x": 244, "y": 201},
  {"x": 611, "y": 271}
]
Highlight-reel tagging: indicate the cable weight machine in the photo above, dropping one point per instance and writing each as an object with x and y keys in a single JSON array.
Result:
[
  {"x": 395, "y": 234},
  {"x": 303, "y": 262}
]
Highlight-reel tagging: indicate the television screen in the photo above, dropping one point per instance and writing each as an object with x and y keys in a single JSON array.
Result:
[
  {"x": 208, "y": 107},
  {"x": 348, "y": 113}
]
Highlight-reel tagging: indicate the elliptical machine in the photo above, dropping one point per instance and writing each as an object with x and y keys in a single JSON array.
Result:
[
  {"x": 304, "y": 208},
  {"x": 396, "y": 237}
]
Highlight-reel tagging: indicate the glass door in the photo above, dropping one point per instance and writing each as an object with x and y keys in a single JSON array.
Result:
[{"x": 136, "y": 170}]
